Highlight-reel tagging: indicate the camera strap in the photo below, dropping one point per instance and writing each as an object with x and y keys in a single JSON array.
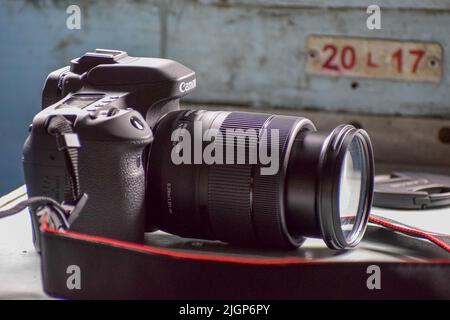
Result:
[
  {"x": 60, "y": 215},
  {"x": 174, "y": 269},
  {"x": 439, "y": 239},
  {"x": 67, "y": 141}
]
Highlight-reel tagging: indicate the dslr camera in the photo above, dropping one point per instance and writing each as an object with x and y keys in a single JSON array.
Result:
[{"x": 248, "y": 179}]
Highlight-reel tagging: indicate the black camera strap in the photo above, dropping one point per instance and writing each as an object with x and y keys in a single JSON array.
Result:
[
  {"x": 67, "y": 141},
  {"x": 170, "y": 269},
  {"x": 59, "y": 215}
]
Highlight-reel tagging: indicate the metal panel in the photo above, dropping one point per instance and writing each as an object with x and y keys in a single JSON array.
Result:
[
  {"x": 253, "y": 52},
  {"x": 374, "y": 59}
]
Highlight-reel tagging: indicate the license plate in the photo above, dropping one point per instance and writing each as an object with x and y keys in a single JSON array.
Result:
[{"x": 369, "y": 58}]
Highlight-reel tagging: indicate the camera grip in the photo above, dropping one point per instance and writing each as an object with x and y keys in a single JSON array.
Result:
[{"x": 113, "y": 175}]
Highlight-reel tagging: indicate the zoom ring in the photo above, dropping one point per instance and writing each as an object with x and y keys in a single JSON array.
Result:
[
  {"x": 268, "y": 191},
  {"x": 246, "y": 206},
  {"x": 230, "y": 185}
]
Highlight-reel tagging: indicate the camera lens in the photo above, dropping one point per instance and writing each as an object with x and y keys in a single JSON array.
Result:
[{"x": 258, "y": 179}]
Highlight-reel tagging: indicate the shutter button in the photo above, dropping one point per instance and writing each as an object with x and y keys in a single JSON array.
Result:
[{"x": 137, "y": 123}]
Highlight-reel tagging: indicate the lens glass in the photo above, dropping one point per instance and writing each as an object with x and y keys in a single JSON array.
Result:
[{"x": 352, "y": 181}]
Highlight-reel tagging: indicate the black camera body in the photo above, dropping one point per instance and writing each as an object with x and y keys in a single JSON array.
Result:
[
  {"x": 111, "y": 99},
  {"x": 151, "y": 86},
  {"x": 244, "y": 178}
]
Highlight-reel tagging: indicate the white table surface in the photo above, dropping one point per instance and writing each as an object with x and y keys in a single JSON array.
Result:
[{"x": 20, "y": 276}]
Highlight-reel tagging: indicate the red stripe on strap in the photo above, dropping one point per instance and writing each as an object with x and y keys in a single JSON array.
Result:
[{"x": 411, "y": 231}]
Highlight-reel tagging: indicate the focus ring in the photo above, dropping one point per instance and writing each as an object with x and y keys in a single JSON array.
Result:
[{"x": 268, "y": 190}]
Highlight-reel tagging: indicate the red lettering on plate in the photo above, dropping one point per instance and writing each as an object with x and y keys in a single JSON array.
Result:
[
  {"x": 398, "y": 55},
  {"x": 370, "y": 63},
  {"x": 329, "y": 64},
  {"x": 419, "y": 55},
  {"x": 346, "y": 54}
]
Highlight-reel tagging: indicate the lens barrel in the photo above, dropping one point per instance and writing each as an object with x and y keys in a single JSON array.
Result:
[
  {"x": 314, "y": 185},
  {"x": 246, "y": 199}
]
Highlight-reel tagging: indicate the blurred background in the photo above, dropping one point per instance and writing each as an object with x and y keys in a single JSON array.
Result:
[{"x": 247, "y": 54}]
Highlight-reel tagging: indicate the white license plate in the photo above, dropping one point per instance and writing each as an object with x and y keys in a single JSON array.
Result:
[{"x": 369, "y": 58}]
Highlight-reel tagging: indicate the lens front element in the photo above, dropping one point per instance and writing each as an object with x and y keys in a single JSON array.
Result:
[
  {"x": 352, "y": 182},
  {"x": 345, "y": 194}
]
